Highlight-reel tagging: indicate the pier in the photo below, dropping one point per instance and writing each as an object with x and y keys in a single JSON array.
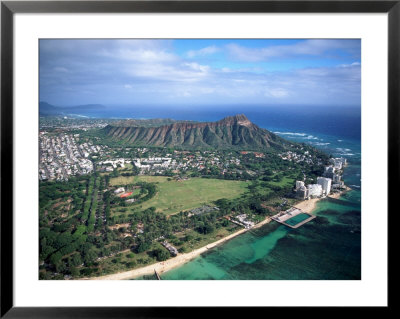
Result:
[
  {"x": 157, "y": 275},
  {"x": 283, "y": 217}
]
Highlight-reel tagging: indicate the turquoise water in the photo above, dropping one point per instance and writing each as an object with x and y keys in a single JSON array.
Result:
[{"x": 326, "y": 248}]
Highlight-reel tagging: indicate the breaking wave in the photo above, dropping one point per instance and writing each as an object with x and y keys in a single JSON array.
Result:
[
  {"x": 320, "y": 144},
  {"x": 343, "y": 150},
  {"x": 300, "y": 135},
  {"x": 291, "y": 133}
]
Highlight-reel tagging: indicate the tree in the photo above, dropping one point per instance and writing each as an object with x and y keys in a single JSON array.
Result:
[
  {"x": 90, "y": 256},
  {"x": 143, "y": 246},
  {"x": 183, "y": 249},
  {"x": 209, "y": 228},
  {"x": 135, "y": 169},
  {"x": 130, "y": 264},
  {"x": 225, "y": 222},
  {"x": 75, "y": 260},
  {"x": 161, "y": 254},
  {"x": 74, "y": 271},
  {"x": 55, "y": 258}
]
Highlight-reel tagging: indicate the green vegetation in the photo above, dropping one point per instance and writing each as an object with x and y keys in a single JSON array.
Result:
[
  {"x": 88, "y": 228},
  {"x": 81, "y": 236},
  {"x": 234, "y": 132},
  {"x": 174, "y": 196}
]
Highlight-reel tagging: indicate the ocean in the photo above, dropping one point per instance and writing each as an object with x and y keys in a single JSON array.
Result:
[
  {"x": 343, "y": 121},
  {"x": 326, "y": 248}
]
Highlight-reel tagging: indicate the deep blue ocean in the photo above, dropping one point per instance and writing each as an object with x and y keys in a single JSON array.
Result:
[
  {"x": 327, "y": 248},
  {"x": 333, "y": 129},
  {"x": 343, "y": 121}
]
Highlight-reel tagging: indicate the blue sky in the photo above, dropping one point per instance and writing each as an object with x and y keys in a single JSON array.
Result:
[{"x": 201, "y": 72}]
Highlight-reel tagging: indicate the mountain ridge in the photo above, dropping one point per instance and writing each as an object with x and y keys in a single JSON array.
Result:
[{"x": 235, "y": 131}]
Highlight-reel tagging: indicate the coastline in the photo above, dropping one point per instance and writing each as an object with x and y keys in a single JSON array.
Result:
[
  {"x": 181, "y": 259},
  {"x": 174, "y": 262},
  {"x": 310, "y": 204}
]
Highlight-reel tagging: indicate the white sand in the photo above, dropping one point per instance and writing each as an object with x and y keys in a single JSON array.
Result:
[
  {"x": 174, "y": 262},
  {"x": 161, "y": 267}
]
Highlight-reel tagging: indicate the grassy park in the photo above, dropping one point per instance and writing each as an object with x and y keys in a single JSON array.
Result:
[{"x": 174, "y": 196}]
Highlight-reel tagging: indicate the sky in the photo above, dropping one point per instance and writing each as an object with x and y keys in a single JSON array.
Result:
[{"x": 187, "y": 72}]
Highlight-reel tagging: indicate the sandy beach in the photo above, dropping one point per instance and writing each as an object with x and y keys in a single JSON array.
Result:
[
  {"x": 174, "y": 262},
  {"x": 180, "y": 259},
  {"x": 309, "y": 205}
]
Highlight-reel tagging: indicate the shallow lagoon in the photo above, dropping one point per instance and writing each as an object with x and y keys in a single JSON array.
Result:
[{"x": 328, "y": 247}]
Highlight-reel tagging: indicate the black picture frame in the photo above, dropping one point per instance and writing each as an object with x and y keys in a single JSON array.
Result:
[{"x": 9, "y": 8}]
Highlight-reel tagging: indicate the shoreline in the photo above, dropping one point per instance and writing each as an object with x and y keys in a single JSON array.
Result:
[
  {"x": 174, "y": 262},
  {"x": 310, "y": 204},
  {"x": 181, "y": 259}
]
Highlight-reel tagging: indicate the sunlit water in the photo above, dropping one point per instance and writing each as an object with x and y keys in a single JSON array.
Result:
[{"x": 326, "y": 248}]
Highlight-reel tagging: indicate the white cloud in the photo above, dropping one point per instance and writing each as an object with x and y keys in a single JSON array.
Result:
[
  {"x": 202, "y": 52},
  {"x": 140, "y": 55},
  {"x": 185, "y": 72},
  {"x": 197, "y": 67},
  {"x": 153, "y": 71},
  {"x": 276, "y": 92},
  {"x": 354, "y": 64},
  {"x": 308, "y": 47}
]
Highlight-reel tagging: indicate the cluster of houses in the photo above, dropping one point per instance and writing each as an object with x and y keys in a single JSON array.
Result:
[
  {"x": 242, "y": 218},
  {"x": 60, "y": 156},
  {"x": 330, "y": 180},
  {"x": 110, "y": 165},
  {"x": 297, "y": 158},
  {"x": 195, "y": 160},
  {"x": 154, "y": 163},
  {"x": 179, "y": 161},
  {"x": 242, "y": 221},
  {"x": 256, "y": 154},
  {"x": 71, "y": 123}
]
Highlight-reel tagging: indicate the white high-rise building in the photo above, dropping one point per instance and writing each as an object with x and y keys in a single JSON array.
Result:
[
  {"x": 314, "y": 190},
  {"x": 342, "y": 160},
  {"x": 326, "y": 184},
  {"x": 329, "y": 171},
  {"x": 302, "y": 192},
  {"x": 336, "y": 178}
]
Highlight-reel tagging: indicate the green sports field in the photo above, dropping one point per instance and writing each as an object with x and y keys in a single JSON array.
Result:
[{"x": 174, "y": 196}]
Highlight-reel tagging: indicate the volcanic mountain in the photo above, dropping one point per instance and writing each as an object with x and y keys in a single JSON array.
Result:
[{"x": 231, "y": 132}]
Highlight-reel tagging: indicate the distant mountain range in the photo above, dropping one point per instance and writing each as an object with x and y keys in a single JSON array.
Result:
[
  {"x": 46, "y": 109},
  {"x": 231, "y": 132}
]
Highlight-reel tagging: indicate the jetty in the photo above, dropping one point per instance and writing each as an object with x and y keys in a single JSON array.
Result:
[
  {"x": 283, "y": 217},
  {"x": 157, "y": 275}
]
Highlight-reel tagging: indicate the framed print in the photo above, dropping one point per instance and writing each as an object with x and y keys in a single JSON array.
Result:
[{"x": 181, "y": 153}]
